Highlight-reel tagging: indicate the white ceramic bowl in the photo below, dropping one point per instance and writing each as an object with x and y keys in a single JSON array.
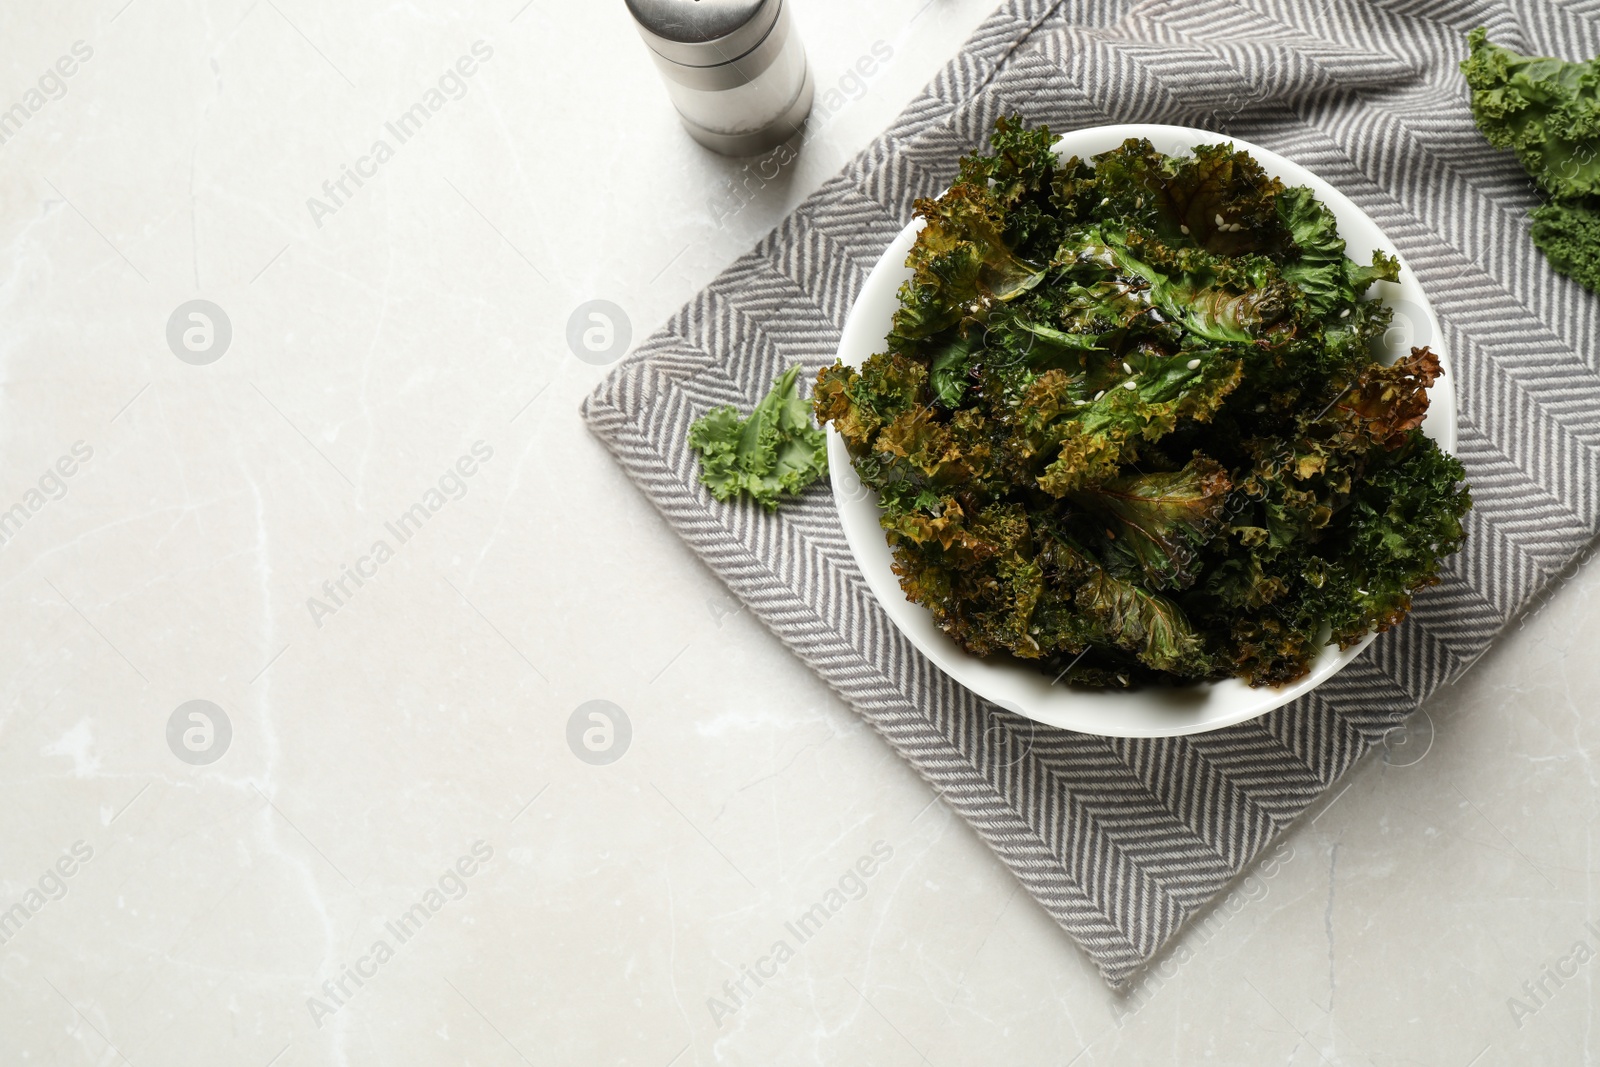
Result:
[{"x": 1024, "y": 688}]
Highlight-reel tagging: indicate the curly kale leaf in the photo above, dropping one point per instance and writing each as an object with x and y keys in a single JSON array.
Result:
[
  {"x": 1157, "y": 523},
  {"x": 961, "y": 266},
  {"x": 1303, "y": 480},
  {"x": 1215, "y": 298},
  {"x": 977, "y": 573},
  {"x": 995, "y": 583},
  {"x": 1219, "y": 199},
  {"x": 860, "y": 403},
  {"x": 1401, "y": 520},
  {"x": 1338, "y": 524},
  {"x": 1144, "y": 623},
  {"x": 1327, "y": 278},
  {"x": 1545, "y": 110},
  {"x": 1092, "y": 443},
  {"x": 1568, "y": 233},
  {"x": 1385, "y": 403},
  {"x": 947, "y": 369},
  {"x": 1020, "y": 177},
  {"x": 775, "y": 453}
]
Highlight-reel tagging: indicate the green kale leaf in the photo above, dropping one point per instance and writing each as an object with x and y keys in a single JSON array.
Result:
[
  {"x": 962, "y": 265},
  {"x": 1328, "y": 280},
  {"x": 1568, "y": 233},
  {"x": 773, "y": 454},
  {"x": 1547, "y": 111},
  {"x": 1156, "y": 523}
]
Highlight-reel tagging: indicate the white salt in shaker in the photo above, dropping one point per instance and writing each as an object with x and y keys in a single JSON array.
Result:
[{"x": 735, "y": 69}]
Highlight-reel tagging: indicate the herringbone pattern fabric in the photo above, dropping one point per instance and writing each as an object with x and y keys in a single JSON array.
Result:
[{"x": 1121, "y": 841}]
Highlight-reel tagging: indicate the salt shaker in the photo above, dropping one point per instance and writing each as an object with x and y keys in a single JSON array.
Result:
[{"x": 735, "y": 69}]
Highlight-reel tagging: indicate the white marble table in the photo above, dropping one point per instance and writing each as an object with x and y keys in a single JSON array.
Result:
[{"x": 396, "y": 857}]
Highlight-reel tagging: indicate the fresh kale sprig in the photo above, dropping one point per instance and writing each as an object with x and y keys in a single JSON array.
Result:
[
  {"x": 1547, "y": 111},
  {"x": 773, "y": 454}
]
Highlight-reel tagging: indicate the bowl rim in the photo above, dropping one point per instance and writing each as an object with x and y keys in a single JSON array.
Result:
[{"x": 1148, "y": 711}]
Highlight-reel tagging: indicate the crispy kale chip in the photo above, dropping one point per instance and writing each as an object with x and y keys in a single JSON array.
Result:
[
  {"x": 1547, "y": 111},
  {"x": 1155, "y": 523},
  {"x": 962, "y": 264},
  {"x": 1339, "y": 521},
  {"x": 1128, "y": 423},
  {"x": 775, "y": 453},
  {"x": 1325, "y": 276}
]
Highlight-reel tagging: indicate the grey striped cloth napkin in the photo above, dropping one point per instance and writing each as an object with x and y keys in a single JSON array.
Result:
[{"x": 1122, "y": 841}]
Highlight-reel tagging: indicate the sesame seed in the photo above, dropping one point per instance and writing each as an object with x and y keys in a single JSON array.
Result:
[
  {"x": 1129, "y": 385},
  {"x": 1193, "y": 364},
  {"x": 1106, "y": 201},
  {"x": 1345, "y": 314},
  {"x": 1183, "y": 228},
  {"x": 1220, "y": 222},
  {"x": 1100, "y": 394},
  {"x": 1126, "y": 369}
]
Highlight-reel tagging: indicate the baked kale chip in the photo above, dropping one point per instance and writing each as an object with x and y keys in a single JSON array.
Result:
[{"x": 1128, "y": 422}]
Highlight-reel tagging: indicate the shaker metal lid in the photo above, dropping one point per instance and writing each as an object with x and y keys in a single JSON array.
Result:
[{"x": 704, "y": 33}]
